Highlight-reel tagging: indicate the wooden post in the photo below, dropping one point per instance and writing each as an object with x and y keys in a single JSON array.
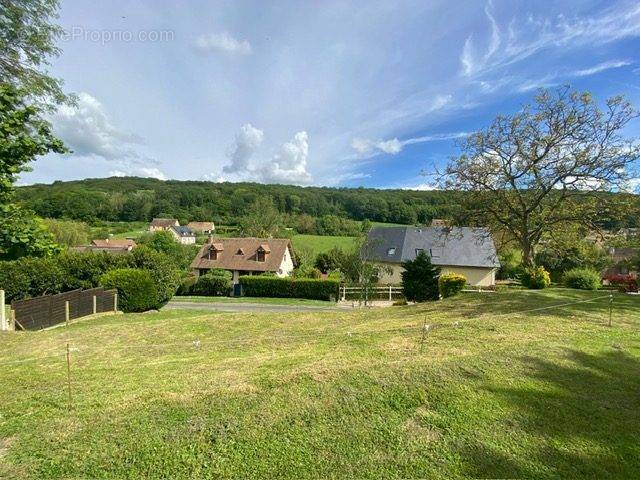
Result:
[
  {"x": 3, "y": 315},
  {"x": 95, "y": 305},
  {"x": 66, "y": 312},
  {"x": 610, "y": 308},
  {"x": 12, "y": 319},
  {"x": 389, "y": 292},
  {"x": 115, "y": 302}
]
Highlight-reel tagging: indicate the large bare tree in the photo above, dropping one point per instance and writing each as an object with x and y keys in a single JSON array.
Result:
[{"x": 549, "y": 164}]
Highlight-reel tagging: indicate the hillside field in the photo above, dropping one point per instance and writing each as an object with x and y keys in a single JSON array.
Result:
[{"x": 550, "y": 393}]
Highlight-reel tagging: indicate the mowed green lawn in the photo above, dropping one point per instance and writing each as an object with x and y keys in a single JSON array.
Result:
[
  {"x": 551, "y": 393},
  {"x": 319, "y": 244}
]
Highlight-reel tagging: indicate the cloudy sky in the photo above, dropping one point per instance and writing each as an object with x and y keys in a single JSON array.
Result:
[{"x": 319, "y": 93}]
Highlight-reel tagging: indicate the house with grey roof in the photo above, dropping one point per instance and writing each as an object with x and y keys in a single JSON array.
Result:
[
  {"x": 183, "y": 235},
  {"x": 468, "y": 251}
]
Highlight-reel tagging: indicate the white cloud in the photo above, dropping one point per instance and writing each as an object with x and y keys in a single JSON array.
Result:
[
  {"x": 421, "y": 187},
  {"x": 289, "y": 165},
  {"x": 88, "y": 131},
  {"x": 247, "y": 141},
  {"x": 145, "y": 172},
  {"x": 601, "y": 67},
  {"x": 366, "y": 148},
  {"x": 222, "y": 42},
  {"x": 532, "y": 35}
]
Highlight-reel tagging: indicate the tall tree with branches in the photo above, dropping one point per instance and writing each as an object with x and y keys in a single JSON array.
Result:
[
  {"x": 28, "y": 37},
  {"x": 550, "y": 163}
]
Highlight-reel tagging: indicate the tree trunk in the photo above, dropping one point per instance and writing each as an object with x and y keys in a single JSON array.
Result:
[{"x": 528, "y": 253}]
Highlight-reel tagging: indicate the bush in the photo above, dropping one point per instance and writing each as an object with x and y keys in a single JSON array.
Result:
[
  {"x": 420, "y": 279},
  {"x": 259, "y": 286},
  {"x": 136, "y": 289},
  {"x": 624, "y": 283},
  {"x": 186, "y": 286},
  {"x": 31, "y": 277},
  {"x": 212, "y": 284},
  {"x": 307, "y": 271},
  {"x": 451, "y": 284},
  {"x": 160, "y": 267},
  {"x": 582, "y": 279},
  {"x": 535, "y": 278}
]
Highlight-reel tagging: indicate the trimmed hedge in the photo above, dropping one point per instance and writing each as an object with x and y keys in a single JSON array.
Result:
[
  {"x": 535, "y": 278},
  {"x": 136, "y": 290},
  {"x": 212, "y": 284},
  {"x": 451, "y": 284},
  {"x": 259, "y": 286},
  {"x": 582, "y": 279}
]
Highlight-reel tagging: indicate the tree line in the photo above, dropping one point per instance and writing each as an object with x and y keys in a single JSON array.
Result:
[{"x": 141, "y": 199}]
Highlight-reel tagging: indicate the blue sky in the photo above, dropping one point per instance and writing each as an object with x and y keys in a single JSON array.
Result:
[{"x": 317, "y": 93}]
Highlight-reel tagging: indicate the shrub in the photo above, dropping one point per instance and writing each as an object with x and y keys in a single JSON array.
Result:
[
  {"x": 213, "y": 284},
  {"x": 420, "y": 279},
  {"x": 186, "y": 286},
  {"x": 451, "y": 284},
  {"x": 582, "y": 279},
  {"x": 160, "y": 267},
  {"x": 136, "y": 289},
  {"x": 307, "y": 271},
  {"x": 259, "y": 286},
  {"x": 31, "y": 277},
  {"x": 624, "y": 283},
  {"x": 535, "y": 278}
]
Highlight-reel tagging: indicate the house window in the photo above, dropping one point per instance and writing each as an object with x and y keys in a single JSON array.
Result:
[
  {"x": 260, "y": 256},
  {"x": 240, "y": 252},
  {"x": 391, "y": 251},
  {"x": 431, "y": 254},
  {"x": 419, "y": 251}
]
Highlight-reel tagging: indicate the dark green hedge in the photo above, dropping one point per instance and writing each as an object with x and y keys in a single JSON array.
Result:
[
  {"x": 259, "y": 286},
  {"x": 136, "y": 290}
]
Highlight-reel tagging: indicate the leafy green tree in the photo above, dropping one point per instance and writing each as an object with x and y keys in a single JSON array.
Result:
[
  {"x": 68, "y": 233},
  {"x": 164, "y": 242},
  {"x": 24, "y": 135},
  {"x": 548, "y": 165},
  {"x": 420, "y": 279},
  {"x": 261, "y": 220},
  {"x": 27, "y": 42}
]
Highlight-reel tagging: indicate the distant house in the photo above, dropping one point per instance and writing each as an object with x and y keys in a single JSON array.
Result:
[
  {"x": 245, "y": 256},
  {"x": 183, "y": 235},
  {"x": 123, "y": 243},
  {"x": 162, "y": 224},
  {"x": 202, "y": 227},
  {"x": 109, "y": 245},
  {"x": 464, "y": 250},
  {"x": 621, "y": 261}
]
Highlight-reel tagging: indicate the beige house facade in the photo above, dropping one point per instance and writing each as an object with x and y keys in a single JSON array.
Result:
[{"x": 464, "y": 250}]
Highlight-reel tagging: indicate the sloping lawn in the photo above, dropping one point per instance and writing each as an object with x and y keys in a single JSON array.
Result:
[
  {"x": 490, "y": 392},
  {"x": 319, "y": 244}
]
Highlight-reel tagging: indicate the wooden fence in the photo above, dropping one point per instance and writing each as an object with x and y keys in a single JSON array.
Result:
[
  {"x": 49, "y": 310},
  {"x": 373, "y": 292}
]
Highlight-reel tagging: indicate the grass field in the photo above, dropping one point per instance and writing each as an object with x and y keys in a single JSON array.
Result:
[
  {"x": 550, "y": 393},
  {"x": 318, "y": 244},
  {"x": 260, "y": 300}
]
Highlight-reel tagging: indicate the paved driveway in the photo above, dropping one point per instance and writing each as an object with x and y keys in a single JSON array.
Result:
[{"x": 249, "y": 307}]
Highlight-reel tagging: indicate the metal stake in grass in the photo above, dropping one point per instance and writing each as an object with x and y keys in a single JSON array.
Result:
[
  {"x": 69, "y": 374},
  {"x": 425, "y": 329},
  {"x": 610, "y": 308}
]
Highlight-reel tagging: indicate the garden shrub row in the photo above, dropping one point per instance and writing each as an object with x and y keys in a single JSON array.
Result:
[
  {"x": 31, "y": 277},
  {"x": 259, "y": 286},
  {"x": 136, "y": 290}
]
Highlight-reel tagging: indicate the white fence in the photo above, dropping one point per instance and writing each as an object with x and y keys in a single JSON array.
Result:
[{"x": 358, "y": 292}]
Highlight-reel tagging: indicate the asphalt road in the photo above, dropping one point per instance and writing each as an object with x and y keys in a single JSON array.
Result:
[{"x": 249, "y": 307}]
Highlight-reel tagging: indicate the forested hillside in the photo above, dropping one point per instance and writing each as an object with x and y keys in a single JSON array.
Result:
[{"x": 140, "y": 199}]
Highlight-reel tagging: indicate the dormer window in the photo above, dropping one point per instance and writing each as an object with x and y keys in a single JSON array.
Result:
[
  {"x": 261, "y": 252},
  {"x": 240, "y": 252},
  {"x": 214, "y": 250},
  {"x": 391, "y": 251}
]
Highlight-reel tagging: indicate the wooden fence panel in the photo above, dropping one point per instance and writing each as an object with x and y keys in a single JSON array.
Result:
[{"x": 49, "y": 310}]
